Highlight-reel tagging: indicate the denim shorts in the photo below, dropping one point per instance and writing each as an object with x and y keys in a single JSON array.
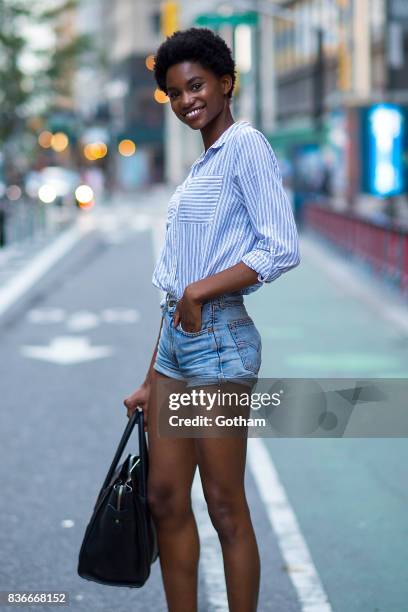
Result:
[{"x": 227, "y": 348}]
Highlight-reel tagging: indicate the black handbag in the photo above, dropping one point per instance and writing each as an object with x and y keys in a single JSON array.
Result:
[{"x": 120, "y": 541}]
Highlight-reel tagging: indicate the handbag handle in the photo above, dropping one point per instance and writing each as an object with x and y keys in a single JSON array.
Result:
[{"x": 137, "y": 417}]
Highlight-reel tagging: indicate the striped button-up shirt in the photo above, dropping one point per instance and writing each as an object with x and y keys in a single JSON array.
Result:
[{"x": 231, "y": 208}]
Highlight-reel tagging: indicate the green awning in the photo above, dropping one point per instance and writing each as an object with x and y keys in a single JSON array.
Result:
[
  {"x": 217, "y": 19},
  {"x": 284, "y": 138}
]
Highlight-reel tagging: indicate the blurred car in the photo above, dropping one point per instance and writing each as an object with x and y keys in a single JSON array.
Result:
[{"x": 55, "y": 183}]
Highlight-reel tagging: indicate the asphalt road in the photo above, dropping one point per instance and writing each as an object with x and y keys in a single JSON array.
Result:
[{"x": 329, "y": 514}]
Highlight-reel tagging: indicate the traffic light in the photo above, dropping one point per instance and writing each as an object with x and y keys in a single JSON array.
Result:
[{"x": 169, "y": 17}]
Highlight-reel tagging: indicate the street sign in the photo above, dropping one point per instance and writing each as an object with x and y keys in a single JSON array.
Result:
[
  {"x": 218, "y": 19},
  {"x": 382, "y": 150}
]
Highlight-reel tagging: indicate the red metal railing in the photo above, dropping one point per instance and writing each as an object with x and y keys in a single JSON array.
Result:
[{"x": 384, "y": 248}]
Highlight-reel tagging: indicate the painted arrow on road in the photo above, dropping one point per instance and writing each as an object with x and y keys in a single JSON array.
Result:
[{"x": 67, "y": 350}]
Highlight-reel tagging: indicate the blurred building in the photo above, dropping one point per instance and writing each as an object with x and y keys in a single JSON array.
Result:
[
  {"x": 64, "y": 27},
  {"x": 307, "y": 70},
  {"x": 116, "y": 91},
  {"x": 334, "y": 60}
]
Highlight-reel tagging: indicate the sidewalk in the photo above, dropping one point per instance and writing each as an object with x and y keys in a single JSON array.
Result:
[
  {"x": 329, "y": 318},
  {"x": 15, "y": 255}
]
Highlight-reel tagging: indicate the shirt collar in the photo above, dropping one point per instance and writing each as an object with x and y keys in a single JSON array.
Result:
[{"x": 226, "y": 135}]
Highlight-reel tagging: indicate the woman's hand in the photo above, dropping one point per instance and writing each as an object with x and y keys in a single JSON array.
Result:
[
  {"x": 188, "y": 313},
  {"x": 139, "y": 399}
]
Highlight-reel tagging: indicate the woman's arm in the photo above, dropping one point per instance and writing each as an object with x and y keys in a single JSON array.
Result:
[{"x": 231, "y": 279}]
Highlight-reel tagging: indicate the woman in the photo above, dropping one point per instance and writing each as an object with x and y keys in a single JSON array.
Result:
[{"x": 229, "y": 229}]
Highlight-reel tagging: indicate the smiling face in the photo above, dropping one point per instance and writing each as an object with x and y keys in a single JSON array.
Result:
[{"x": 197, "y": 95}]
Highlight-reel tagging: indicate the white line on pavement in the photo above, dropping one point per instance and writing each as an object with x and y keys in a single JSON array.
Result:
[
  {"x": 304, "y": 576},
  {"x": 26, "y": 278}
]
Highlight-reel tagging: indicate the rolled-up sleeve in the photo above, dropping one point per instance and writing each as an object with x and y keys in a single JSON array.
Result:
[{"x": 259, "y": 179}]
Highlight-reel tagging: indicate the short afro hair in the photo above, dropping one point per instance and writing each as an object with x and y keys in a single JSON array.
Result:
[{"x": 200, "y": 45}]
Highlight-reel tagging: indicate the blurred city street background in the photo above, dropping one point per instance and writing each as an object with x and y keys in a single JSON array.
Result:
[{"x": 89, "y": 156}]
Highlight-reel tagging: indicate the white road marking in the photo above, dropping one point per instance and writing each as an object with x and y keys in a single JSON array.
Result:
[
  {"x": 301, "y": 569},
  {"x": 82, "y": 320},
  {"x": 67, "y": 350},
  {"x": 46, "y": 315},
  {"x": 120, "y": 315}
]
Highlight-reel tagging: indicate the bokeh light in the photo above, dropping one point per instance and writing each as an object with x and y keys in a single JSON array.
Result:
[
  {"x": 89, "y": 152},
  {"x": 84, "y": 194},
  {"x": 35, "y": 123},
  {"x": 59, "y": 142},
  {"x": 150, "y": 62},
  {"x": 127, "y": 147},
  {"x": 44, "y": 139},
  {"x": 160, "y": 96},
  {"x": 47, "y": 194},
  {"x": 86, "y": 205},
  {"x": 13, "y": 192},
  {"x": 95, "y": 150},
  {"x": 102, "y": 149}
]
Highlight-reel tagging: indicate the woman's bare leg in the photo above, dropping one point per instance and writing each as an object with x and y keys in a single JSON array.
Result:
[
  {"x": 171, "y": 471},
  {"x": 222, "y": 467}
]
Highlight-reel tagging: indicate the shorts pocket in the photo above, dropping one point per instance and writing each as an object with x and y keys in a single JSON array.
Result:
[
  {"x": 199, "y": 199},
  {"x": 191, "y": 334},
  {"x": 248, "y": 341}
]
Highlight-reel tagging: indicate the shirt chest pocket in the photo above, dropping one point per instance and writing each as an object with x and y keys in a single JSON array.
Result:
[{"x": 199, "y": 199}]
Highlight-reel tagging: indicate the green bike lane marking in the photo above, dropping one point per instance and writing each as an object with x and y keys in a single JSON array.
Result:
[{"x": 347, "y": 494}]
